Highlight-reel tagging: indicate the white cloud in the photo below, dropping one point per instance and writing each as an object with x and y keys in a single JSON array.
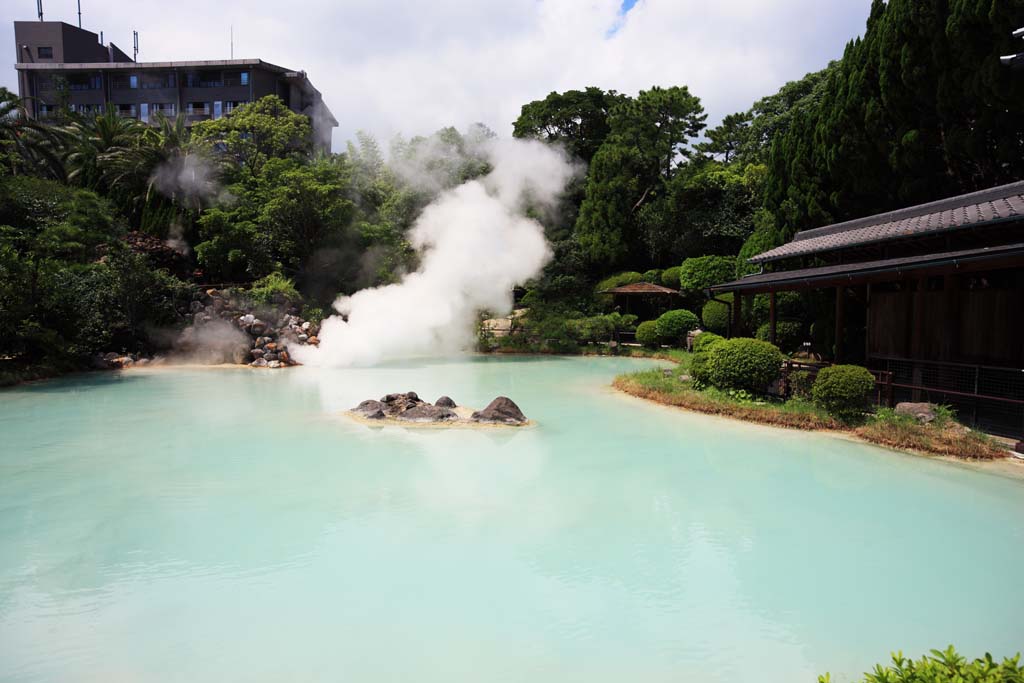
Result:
[{"x": 403, "y": 65}]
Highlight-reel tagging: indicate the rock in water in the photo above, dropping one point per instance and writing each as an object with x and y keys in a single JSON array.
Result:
[
  {"x": 367, "y": 408},
  {"x": 501, "y": 410},
  {"x": 425, "y": 412},
  {"x": 396, "y": 404},
  {"x": 445, "y": 402}
]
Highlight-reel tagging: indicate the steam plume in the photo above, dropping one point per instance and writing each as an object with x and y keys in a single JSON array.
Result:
[{"x": 476, "y": 244}]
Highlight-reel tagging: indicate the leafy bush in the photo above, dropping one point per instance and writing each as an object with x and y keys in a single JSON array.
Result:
[
  {"x": 744, "y": 364},
  {"x": 944, "y": 666},
  {"x": 698, "y": 273},
  {"x": 600, "y": 328},
  {"x": 274, "y": 288},
  {"x": 647, "y": 333},
  {"x": 700, "y": 370},
  {"x": 670, "y": 277},
  {"x": 704, "y": 340},
  {"x": 715, "y": 314},
  {"x": 843, "y": 390},
  {"x": 653, "y": 276},
  {"x": 800, "y": 383},
  {"x": 788, "y": 334},
  {"x": 672, "y": 326}
]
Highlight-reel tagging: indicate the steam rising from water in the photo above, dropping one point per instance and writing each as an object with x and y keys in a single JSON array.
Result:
[{"x": 475, "y": 243}]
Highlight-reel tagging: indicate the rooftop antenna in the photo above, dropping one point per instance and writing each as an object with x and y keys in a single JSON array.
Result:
[
  {"x": 79, "y": 13},
  {"x": 101, "y": 37},
  {"x": 39, "y": 8},
  {"x": 135, "y": 36}
]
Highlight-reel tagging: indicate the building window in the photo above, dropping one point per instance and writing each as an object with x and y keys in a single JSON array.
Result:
[
  {"x": 153, "y": 81},
  {"x": 47, "y": 111},
  {"x": 165, "y": 108},
  {"x": 126, "y": 110},
  {"x": 218, "y": 110},
  {"x": 144, "y": 109},
  {"x": 45, "y": 52},
  {"x": 245, "y": 78},
  {"x": 231, "y": 106},
  {"x": 197, "y": 109},
  {"x": 133, "y": 81}
]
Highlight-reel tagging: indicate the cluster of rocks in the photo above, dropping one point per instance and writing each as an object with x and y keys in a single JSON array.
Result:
[
  {"x": 409, "y": 407},
  {"x": 263, "y": 342},
  {"x": 118, "y": 361}
]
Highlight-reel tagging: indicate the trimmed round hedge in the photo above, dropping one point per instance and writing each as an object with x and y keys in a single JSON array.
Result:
[
  {"x": 843, "y": 390},
  {"x": 744, "y": 363},
  {"x": 788, "y": 334},
  {"x": 672, "y": 326},
  {"x": 653, "y": 276},
  {"x": 703, "y": 341},
  {"x": 715, "y": 315},
  {"x": 647, "y": 333},
  {"x": 698, "y": 273},
  {"x": 670, "y": 277},
  {"x": 700, "y": 370}
]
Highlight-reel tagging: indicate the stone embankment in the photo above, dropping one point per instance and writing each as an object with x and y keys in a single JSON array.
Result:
[{"x": 410, "y": 408}]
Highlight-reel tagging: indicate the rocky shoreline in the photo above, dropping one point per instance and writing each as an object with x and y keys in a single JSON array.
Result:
[
  {"x": 409, "y": 408},
  {"x": 224, "y": 327}
]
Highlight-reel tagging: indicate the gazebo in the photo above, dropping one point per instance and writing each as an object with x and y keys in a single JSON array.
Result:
[{"x": 642, "y": 297}]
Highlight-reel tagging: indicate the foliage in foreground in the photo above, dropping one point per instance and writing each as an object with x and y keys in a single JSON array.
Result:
[
  {"x": 742, "y": 363},
  {"x": 944, "y": 666},
  {"x": 944, "y": 436}
]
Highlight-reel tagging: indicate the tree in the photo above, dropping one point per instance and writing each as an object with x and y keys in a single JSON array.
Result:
[
  {"x": 577, "y": 119},
  {"x": 256, "y": 132},
  {"x": 649, "y": 137},
  {"x": 726, "y": 141}
]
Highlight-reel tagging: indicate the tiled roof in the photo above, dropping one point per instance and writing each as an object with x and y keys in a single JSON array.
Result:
[
  {"x": 965, "y": 211},
  {"x": 639, "y": 288},
  {"x": 859, "y": 272}
]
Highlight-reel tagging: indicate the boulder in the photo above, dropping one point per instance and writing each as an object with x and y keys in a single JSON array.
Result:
[
  {"x": 367, "y": 408},
  {"x": 274, "y": 364},
  {"x": 501, "y": 410},
  {"x": 258, "y": 327},
  {"x": 259, "y": 363},
  {"x": 922, "y": 412},
  {"x": 257, "y": 353},
  {"x": 424, "y": 412},
  {"x": 395, "y": 404},
  {"x": 445, "y": 402}
]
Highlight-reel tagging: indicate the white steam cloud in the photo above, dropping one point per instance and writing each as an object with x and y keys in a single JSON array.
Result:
[{"x": 476, "y": 243}]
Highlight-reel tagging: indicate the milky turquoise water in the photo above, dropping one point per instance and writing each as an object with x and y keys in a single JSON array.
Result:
[{"x": 231, "y": 525}]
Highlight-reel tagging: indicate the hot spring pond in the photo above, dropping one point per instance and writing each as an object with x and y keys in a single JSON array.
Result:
[{"x": 231, "y": 525}]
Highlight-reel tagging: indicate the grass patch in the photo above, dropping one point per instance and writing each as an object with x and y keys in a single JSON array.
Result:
[
  {"x": 669, "y": 389},
  {"x": 945, "y": 436},
  {"x": 680, "y": 357}
]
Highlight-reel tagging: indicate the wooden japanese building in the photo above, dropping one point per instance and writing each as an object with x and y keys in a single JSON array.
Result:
[{"x": 933, "y": 294}]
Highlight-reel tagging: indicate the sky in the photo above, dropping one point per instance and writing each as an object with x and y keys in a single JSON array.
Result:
[{"x": 411, "y": 66}]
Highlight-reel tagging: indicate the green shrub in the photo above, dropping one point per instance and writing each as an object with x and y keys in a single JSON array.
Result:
[
  {"x": 672, "y": 326},
  {"x": 274, "y": 289},
  {"x": 704, "y": 340},
  {"x": 600, "y": 328},
  {"x": 653, "y": 276},
  {"x": 944, "y": 667},
  {"x": 788, "y": 334},
  {"x": 843, "y": 390},
  {"x": 670, "y": 277},
  {"x": 715, "y": 314},
  {"x": 700, "y": 370},
  {"x": 800, "y": 384},
  {"x": 698, "y": 273},
  {"x": 744, "y": 364},
  {"x": 647, "y": 334},
  {"x": 313, "y": 314}
]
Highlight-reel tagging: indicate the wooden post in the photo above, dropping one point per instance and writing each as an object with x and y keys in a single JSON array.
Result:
[
  {"x": 840, "y": 322},
  {"x": 917, "y": 335},
  {"x": 737, "y": 311},
  {"x": 771, "y": 316}
]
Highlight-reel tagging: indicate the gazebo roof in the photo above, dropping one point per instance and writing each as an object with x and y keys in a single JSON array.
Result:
[{"x": 641, "y": 288}]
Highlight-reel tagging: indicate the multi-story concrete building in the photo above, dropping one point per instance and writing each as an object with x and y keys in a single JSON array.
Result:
[{"x": 62, "y": 65}]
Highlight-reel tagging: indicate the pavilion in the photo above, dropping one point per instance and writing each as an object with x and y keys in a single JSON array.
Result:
[{"x": 933, "y": 294}]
